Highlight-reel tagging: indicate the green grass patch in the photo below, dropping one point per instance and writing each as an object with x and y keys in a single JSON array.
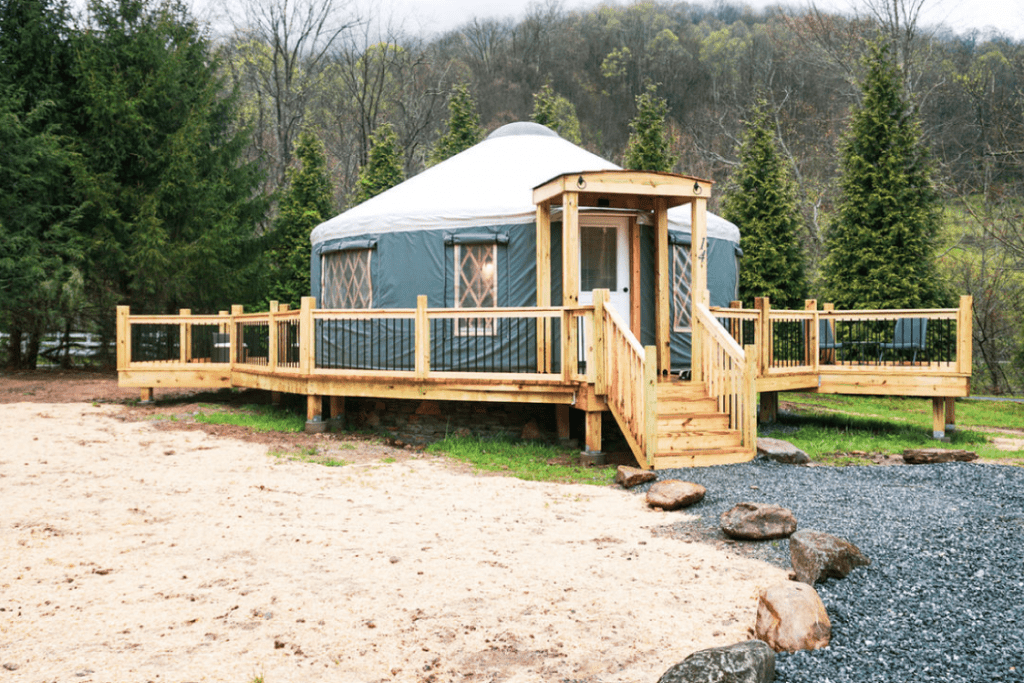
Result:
[
  {"x": 829, "y": 427},
  {"x": 521, "y": 459},
  {"x": 310, "y": 454},
  {"x": 256, "y": 418}
]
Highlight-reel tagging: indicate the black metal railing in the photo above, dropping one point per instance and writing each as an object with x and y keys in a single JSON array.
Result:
[
  {"x": 156, "y": 342},
  {"x": 368, "y": 344}
]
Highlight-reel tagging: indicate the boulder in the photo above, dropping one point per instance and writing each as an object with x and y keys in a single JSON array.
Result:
[
  {"x": 752, "y": 661},
  {"x": 628, "y": 477},
  {"x": 929, "y": 456},
  {"x": 791, "y": 617},
  {"x": 817, "y": 556},
  {"x": 758, "y": 521},
  {"x": 673, "y": 494},
  {"x": 781, "y": 451}
]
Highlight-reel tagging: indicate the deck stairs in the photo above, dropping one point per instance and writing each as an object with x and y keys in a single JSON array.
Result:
[{"x": 691, "y": 429}]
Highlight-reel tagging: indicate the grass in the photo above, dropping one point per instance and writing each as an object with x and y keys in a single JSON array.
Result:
[
  {"x": 527, "y": 460},
  {"x": 829, "y": 427},
  {"x": 309, "y": 454},
  {"x": 257, "y": 418}
]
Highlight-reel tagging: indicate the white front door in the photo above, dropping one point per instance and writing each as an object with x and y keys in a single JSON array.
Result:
[{"x": 604, "y": 260}]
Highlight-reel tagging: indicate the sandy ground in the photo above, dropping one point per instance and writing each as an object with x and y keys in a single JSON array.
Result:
[{"x": 132, "y": 553}]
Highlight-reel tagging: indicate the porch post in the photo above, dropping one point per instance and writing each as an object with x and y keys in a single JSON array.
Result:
[
  {"x": 570, "y": 249},
  {"x": 662, "y": 290},
  {"x": 544, "y": 351}
]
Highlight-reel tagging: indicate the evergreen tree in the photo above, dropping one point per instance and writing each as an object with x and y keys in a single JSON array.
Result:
[
  {"x": 649, "y": 147},
  {"x": 464, "y": 129},
  {"x": 40, "y": 249},
  {"x": 383, "y": 170},
  {"x": 761, "y": 200},
  {"x": 306, "y": 202},
  {"x": 173, "y": 210},
  {"x": 881, "y": 244},
  {"x": 557, "y": 113}
]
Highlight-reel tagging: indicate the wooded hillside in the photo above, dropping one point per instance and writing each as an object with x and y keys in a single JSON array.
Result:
[{"x": 163, "y": 149}]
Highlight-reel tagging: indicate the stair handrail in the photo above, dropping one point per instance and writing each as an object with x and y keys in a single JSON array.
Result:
[
  {"x": 627, "y": 378},
  {"x": 728, "y": 372}
]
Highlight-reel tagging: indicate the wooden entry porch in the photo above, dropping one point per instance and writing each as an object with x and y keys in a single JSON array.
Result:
[{"x": 583, "y": 357}]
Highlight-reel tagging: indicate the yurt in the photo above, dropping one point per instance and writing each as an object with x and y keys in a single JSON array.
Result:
[{"x": 463, "y": 233}]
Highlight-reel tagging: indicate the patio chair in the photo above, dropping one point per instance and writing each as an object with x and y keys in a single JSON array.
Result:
[
  {"x": 826, "y": 340},
  {"x": 908, "y": 335}
]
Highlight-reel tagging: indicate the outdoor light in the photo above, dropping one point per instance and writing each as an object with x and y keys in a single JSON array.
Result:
[
  {"x": 696, "y": 187},
  {"x": 581, "y": 183}
]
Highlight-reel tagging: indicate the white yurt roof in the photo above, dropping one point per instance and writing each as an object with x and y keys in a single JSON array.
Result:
[{"x": 488, "y": 184}]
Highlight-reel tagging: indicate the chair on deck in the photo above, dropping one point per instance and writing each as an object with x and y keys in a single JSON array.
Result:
[
  {"x": 826, "y": 340},
  {"x": 908, "y": 335}
]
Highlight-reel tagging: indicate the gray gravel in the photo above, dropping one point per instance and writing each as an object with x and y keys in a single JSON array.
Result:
[{"x": 943, "y": 599}]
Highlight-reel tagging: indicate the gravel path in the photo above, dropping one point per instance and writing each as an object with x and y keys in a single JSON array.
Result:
[{"x": 943, "y": 599}]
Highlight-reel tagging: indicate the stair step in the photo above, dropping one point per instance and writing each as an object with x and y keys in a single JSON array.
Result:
[
  {"x": 690, "y": 390},
  {"x": 675, "y": 442},
  {"x": 695, "y": 405},
  {"x": 702, "y": 457},
  {"x": 689, "y": 420}
]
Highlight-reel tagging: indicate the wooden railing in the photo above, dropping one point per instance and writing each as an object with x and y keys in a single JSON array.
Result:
[
  {"x": 547, "y": 343},
  {"x": 626, "y": 374},
  {"x": 809, "y": 341},
  {"x": 728, "y": 371}
]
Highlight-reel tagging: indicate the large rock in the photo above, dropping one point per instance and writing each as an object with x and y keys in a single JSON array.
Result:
[
  {"x": 817, "y": 556},
  {"x": 781, "y": 451},
  {"x": 750, "y": 662},
  {"x": 673, "y": 494},
  {"x": 929, "y": 456},
  {"x": 628, "y": 477},
  {"x": 758, "y": 521},
  {"x": 791, "y": 617}
]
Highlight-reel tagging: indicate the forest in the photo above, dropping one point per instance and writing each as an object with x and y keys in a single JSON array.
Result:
[{"x": 149, "y": 160}]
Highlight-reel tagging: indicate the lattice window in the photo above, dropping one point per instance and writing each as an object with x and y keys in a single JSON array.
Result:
[
  {"x": 346, "y": 281},
  {"x": 476, "y": 286},
  {"x": 682, "y": 295}
]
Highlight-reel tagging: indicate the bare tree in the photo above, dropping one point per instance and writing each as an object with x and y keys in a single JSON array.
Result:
[{"x": 281, "y": 51}]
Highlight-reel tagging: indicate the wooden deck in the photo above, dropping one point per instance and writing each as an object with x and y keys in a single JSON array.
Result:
[{"x": 580, "y": 356}]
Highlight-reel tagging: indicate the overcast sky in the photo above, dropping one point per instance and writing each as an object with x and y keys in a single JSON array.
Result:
[{"x": 429, "y": 16}]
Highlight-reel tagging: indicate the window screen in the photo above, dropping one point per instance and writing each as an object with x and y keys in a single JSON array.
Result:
[
  {"x": 346, "y": 281},
  {"x": 681, "y": 289},
  {"x": 476, "y": 285}
]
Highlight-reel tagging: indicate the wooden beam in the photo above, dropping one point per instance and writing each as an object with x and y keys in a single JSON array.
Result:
[
  {"x": 570, "y": 250},
  {"x": 635, "y": 265},
  {"x": 272, "y": 337},
  {"x": 811, "y": 335},
  {"x": 594, "y": 431},
  {"x": 662, "y": 288},
  {"x": 599, "y": 361},
  {"x": 964, "y": 335},
  {"x": 146, "y": 395},
  {"x": 650, "y": 399},
  {"x": 124, "y": 341},
  {"x": 676, "y": 189},
  {"x": 950, "y": 414},
  {"x": 938, "y": 417},
  {"x": 562, "y": 421},
  {"x": 236, "y": 344},
  {"x": 764, "y": 333},
  {"x": 185, "y": 337},
  {"x": 544, "y": 351},
  {"x": 314, "y": 408},
  {"x": 307, "y": 347},
  {"x": 422, "y": 338}
]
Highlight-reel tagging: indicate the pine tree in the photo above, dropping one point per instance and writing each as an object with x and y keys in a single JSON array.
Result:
[
  {"x": 761, "y": 200},
  {"x": 464, "y": 129},
  {"x": 383, "y": 170},
  {"x": 649, "y": 147},
  {"x": 307, "y": 201},
  {"x": 557, "y": 113},
  {"x": 881, "y": 244}
]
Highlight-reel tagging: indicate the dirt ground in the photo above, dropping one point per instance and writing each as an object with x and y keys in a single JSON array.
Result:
[{"x": 134, "y": 552}]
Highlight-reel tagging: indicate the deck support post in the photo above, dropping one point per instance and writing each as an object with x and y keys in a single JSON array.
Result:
[
  {"x": 146, "y": 395},
  {"x": 594, "y": 431},
  {"x": 337, "y": 408},
  {"x": 950, "y": 414},
  {"x": 315, "y": 414},
  {"x": 769, "y": 406},
  {"x": 938, "y": 417},
  {"x": 562, "y": 422},
  {"x": 275, "y": 397}
]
